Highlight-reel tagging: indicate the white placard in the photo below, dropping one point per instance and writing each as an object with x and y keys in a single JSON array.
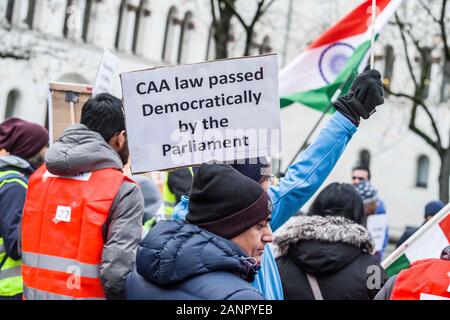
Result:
[
  {"x": 377, "y": 225},
  {"x": 104, "y": 81},
  {"x": 192, "y": 114}
]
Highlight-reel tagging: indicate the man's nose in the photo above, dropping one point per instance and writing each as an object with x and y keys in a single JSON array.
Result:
[{"x": 268, "y": 235}]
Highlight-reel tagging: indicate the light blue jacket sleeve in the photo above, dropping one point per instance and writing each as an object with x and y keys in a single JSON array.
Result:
[{"x": 305, "y": 176}]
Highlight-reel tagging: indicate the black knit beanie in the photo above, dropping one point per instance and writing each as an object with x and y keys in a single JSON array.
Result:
[
  {"x": 253, "y": 168},
  {"x": 225, "y": 202}
]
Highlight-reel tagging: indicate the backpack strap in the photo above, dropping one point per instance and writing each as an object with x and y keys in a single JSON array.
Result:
[{"x": 314, "y": 287}]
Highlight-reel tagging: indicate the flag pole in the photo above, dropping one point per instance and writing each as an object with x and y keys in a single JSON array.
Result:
[
  {"x": 399, "y": 251},
  {"x": 336, "y": 95},
  {"x": 372, "y": 37}
]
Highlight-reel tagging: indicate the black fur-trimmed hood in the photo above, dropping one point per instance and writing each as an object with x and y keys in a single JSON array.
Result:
[
  {"x": 325, "y": 229},
  {"x": 322, "y": 245}
]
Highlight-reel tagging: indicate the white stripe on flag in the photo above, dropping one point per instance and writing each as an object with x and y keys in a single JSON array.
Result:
[
  {"x": 426, "y": 296},
  {"x": 429, "y": 245}
]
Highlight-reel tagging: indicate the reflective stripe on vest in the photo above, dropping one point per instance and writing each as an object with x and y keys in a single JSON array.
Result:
[
  {"x": 35, "y": 294},
  {"x": 423, "y": 280},
  {"x": 62, "y": 239},
  {"x": 10, "y": 272},
  {"x": 44, "y": 261},
  {"x": 169, "y": 198}
]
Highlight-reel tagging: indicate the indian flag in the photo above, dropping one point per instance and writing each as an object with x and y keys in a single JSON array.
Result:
[
  {"x": 332, "y": 61},
  {"x": 427, "y": 242}
]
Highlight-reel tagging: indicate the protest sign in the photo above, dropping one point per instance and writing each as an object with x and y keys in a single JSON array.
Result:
[
  {"x": 191, "y": 114},
  {"x": 377, "y": 226},
  {"x": 65, "y": 103},
  {"x": 104, "y": 81}
]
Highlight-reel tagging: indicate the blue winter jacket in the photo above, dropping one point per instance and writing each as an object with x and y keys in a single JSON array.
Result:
[
  {"x": 180, "y": 261},
  {"x": 303, "y": 178}
]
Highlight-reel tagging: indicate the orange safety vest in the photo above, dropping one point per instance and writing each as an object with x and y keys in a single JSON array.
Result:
[
  {"x": 425, "y": 279},
  {"x": 62, "y": 240}
]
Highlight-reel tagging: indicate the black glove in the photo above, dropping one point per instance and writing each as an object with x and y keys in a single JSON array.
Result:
[{"x": 364, "y": 95}]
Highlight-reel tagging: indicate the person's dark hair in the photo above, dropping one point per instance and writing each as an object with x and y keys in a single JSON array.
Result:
[
  {"x": 103, "y": 114},
  {"x": 363, "y": 168},
  {"x": 445, "y": 254},
  {"x": 339, "y": 199}
]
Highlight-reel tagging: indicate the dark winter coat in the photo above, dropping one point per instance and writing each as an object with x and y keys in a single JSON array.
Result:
[
  {"x": 180, "y": 261},
  {"x": 334, "y": 250},
  {"x": 12, "y": 199}
]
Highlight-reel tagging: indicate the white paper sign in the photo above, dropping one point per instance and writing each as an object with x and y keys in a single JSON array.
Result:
[
  {"x": 63, "y": 213},
  {"x": 104, "y": 81},
  {"x": 192, "y": 114},
  {"x": 85, "y": 176},
  {"x": 377, "y": 225}
]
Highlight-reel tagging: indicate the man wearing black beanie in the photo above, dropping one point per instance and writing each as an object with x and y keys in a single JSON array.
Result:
[
  {"x": 307, "y": 173},
  {"x": 216, "y": 253}
]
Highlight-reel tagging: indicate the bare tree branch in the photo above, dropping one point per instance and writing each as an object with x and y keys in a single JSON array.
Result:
[
  {"x": 238, "y": 16},
  {"x": 259, "y": 12},
  {"x": 412, "y": 124},
  {"x": 443, "y": 28},
  {"x": 428, "y": 10},
  {"x": 405, "y": 47}
]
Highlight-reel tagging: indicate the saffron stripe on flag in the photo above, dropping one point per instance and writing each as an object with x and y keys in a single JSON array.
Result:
[
  {"x": 320, "y": 98},
  {"x": 350, "y": 25}
]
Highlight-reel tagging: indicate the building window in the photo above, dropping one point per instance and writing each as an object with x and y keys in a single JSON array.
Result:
[
  {"x": 423, "y": 169},
  {"x": 171, "y": 23},
  {"x": 30, "y": 13},
  {"x": 426, "y": 71},
  {"x": 388, "y": 67},
  {"x": 69, "y": 19},
  {"x": 265, "y": 46},
  {"x": 210, "y": 44},
  {"x": 9, "y": 11},
  {"x": 86, "y": 19},
  {"x": 445, "y": 90},
  {"x": 141, "y": 14},
  {"x": 364, "y": 158},
  {"x": 12, "y": 103},
  {"x": 183, "y": 46},
  {"x": 119, "y": 23}
]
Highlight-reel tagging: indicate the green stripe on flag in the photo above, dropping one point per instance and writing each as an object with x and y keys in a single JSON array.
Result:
[
  {"x": 398, "y": 265},
  {"x": 319, "y": 98}
]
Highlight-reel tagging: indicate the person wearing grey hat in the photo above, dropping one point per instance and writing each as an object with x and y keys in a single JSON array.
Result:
[
  {"x": 214, "y": 254},
  {"x": 369, "y": 196}
]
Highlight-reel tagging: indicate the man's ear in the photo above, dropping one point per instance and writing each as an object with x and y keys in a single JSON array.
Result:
[
  {"x": 3, "y": 152},
  {"x": 118, "y": 140}
]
